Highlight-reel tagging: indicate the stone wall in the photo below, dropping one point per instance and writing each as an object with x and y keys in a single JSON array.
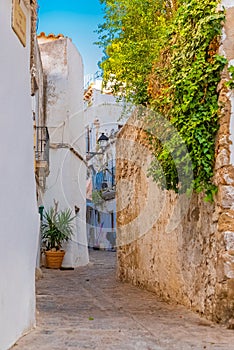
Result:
[
  {"x": 181, "y": 248},
  {"x": 166, "y": 242},
  {"x": 224, "y": 179}
]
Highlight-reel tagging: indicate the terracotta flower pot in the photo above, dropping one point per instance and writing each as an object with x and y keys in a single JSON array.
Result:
[{"x": 54, "y": 259}]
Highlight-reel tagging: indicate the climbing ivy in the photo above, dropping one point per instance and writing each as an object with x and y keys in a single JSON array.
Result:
[
  {"x": 230, "y": 83},
  {"x": 163, "y": 54},
  {"x": 187, "y": 94}
]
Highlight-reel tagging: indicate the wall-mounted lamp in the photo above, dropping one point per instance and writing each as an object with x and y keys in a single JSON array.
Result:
[{"x": 102, "y": 141}]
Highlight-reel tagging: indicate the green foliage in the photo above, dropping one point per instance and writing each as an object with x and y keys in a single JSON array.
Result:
[
  {"x": 230, "y": 83},
  {"x": 163, "y": 54},
  {"x": 190, "y": 100},
  {"x": 97, "y": 197},
  {"x": 57, "y": 227},
  {"x": 129, "y": 38}
]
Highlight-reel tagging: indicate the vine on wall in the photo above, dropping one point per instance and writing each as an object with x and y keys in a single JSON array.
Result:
[{"x": 177, "y": 43}]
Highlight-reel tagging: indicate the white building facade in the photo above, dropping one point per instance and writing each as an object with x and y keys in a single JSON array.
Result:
[
  {"x": 66, "y": 183},
  {"x": 18, "y": 206},
  {"x": 104, "y": 115}
]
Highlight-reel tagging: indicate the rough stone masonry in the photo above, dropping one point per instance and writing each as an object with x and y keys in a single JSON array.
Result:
[{"x": 181, "y": 248}]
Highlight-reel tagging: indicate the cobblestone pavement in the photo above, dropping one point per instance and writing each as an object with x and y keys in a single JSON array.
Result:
[{"x": 88, "y": 309}]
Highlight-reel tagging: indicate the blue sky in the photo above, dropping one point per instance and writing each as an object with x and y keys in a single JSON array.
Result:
[{"x": 77, "y": 19}]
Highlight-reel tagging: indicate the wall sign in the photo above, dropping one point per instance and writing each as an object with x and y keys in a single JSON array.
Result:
[{"x": 18, "y": 22}]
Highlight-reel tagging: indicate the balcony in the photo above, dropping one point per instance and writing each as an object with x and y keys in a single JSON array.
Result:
[
  {"x": 108, "y": 194},
  {"x": 42, "y": 148},
  {"x": 42, "y": 144}
]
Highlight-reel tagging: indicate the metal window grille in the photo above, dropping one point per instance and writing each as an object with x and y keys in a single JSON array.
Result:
[{"x": 42, "y": 143}]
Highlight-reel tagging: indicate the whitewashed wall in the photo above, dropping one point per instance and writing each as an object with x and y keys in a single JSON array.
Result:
[
  {"x": 63, "y": 69},
  {"x": 104, "y": 114},
  {"x": 18, "y": 209}
]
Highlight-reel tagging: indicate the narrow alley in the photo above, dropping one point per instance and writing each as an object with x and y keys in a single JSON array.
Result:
[{"x": 87, "y": 308}]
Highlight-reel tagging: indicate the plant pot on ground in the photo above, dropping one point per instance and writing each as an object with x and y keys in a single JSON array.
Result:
[{"x": 57, "y": 228}]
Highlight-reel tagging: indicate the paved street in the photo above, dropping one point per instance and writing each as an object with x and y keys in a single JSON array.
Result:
[{"x": 88, "y": 309}]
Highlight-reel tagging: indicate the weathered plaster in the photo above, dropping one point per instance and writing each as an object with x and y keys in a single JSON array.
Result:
[
  {"x": 66, "y": 183},
  {"x": 227, "y": 3},
  {"x": 166, "y": 242},
  {"x": 231, "y": 96}
]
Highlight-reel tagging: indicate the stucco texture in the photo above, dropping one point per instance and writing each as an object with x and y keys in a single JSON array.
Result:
[
  {"x": 66, "y": 183},
  {"x": 18, "y": 207}
]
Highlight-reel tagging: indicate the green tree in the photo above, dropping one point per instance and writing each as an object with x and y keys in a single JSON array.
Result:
[
  {"x": 163, "y": 54},
  {"x": 129, "y": 38}
]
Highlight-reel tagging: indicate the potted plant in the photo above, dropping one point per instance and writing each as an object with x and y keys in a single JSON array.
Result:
[{"x": 56, "y": 229}]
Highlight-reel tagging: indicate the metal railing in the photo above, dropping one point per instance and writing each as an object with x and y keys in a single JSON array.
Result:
[{"x": 42, "y": 143}]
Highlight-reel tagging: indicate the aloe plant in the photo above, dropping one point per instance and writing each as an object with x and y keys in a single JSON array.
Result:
[{"x": 57, "y": 227}]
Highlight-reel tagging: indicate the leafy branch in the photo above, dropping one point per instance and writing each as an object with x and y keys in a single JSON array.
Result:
[{"x": 163, "y": 54}]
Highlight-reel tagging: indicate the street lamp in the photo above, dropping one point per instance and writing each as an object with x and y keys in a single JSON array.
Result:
[{"x": 102, "y": 141}]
